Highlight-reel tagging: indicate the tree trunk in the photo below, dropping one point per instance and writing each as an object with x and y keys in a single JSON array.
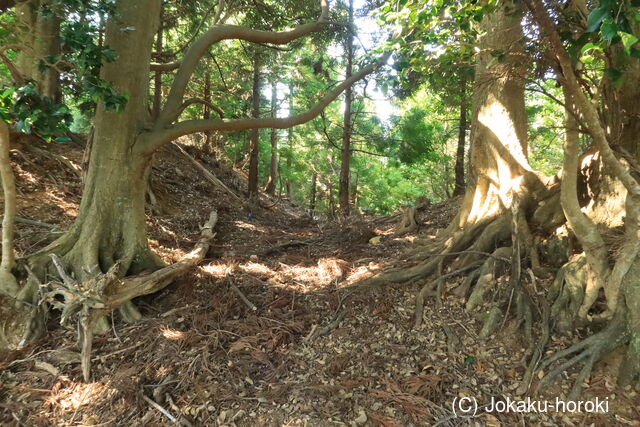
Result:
[
  {"x": 273, "y": 165},
  {"x": 207, "y": 112},
  {"x": 40, "y": 32},
  {"x": 110, "y": 227},
  {"x": 157, "y": 77},
  {"x": 354, "y": 192},
  {"x": 502, "y": 190},
  {"x": 345, "y": 169},
  {"x": 312, "y": 196},
  {"x": 290, "y": 145},
  {"x": 8, "y": 282},
  {"x": 254, "y": 143},
  {"x": 462, "y": 133}
]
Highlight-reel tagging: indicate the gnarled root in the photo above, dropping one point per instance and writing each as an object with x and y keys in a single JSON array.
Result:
[
  {"x": 568, "y": 292},
  {"x": 588, "y": 351},
  {"x": 409, "y": 221},
  {"x": 92, "y": 296},
  {"x": 115, "y": 291}
]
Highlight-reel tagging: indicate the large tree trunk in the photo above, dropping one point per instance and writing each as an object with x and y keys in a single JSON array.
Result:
[
  {"x": 110, "y": 226},
  {"x": 462, "y": 133},
  {"x": 273, "y": 164},
  {"x": 254, "y": 142},
  {"x": 503, "y": 193},
  {"x": 345, "y": 163}
]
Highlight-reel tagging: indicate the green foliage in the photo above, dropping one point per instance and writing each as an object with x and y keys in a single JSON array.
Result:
[
  {"x": 79, "y": 64},
  {"x": 33, "y": 113},
  {"x": 417, "y": 136}
]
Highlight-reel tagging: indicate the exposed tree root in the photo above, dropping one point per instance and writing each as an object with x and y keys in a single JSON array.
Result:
[
  {"x": 428, "y": 289},
  {"x": 409, "y": 221},
  {"x": 90, "y": 296},
  {"x": 588, "y": 351},
  {"x": 567, "y": 292}
]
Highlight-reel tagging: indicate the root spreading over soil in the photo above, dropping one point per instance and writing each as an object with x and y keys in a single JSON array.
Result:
[{"x": 269, "y": 330}]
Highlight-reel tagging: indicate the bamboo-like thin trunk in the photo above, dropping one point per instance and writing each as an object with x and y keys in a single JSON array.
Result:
[
  {"x": 254, "y": 147},
  {"x": 273, "y": 165},
  {"x": 7, "y": 280}
]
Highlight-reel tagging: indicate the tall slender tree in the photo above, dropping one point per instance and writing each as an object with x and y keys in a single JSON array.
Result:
[{"x": 345, "y": 159}]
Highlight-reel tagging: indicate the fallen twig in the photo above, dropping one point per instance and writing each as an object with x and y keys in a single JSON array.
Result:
[
  {"x": 160, "y": 409},
  {"x": 208, "y": 175},
  {"x": 318, "y": 332},
  {"x": 242, "y": 296}
]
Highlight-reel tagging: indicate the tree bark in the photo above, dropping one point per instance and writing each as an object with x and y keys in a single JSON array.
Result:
[
  {"x": 462, "y": 133},
  {"x": 157, "y": 77},
  {"x": 111, "y": 225},
  {"x": 254, "y": 142},
  {"x": 273, "y": 164},
  {"x": 312, "y": 196},
  {"x": 290, "y": 145},
  {"x": 345, "y": 164},
  {"x": 39, "y": 33},
  {"x": 8, "y": 282}
]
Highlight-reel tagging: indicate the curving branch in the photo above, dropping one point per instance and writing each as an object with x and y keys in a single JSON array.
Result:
[
  {"x": 170, "y": 66},
  {"x": 192, "y": 101},
  {"x": 585, "y": 108},
  {"x": 216, "y": 34},
  {"x": 158, "y": 138}
]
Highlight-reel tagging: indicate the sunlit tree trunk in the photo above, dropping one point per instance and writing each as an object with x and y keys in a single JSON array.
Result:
[{"x": 273, "y": 164}]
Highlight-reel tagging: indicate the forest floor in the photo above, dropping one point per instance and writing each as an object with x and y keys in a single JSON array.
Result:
[{"x": 270, "y": 329}]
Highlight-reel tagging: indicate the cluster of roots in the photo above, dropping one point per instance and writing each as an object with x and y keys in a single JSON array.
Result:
[
  {"x": 84, "y": 298},
  {"x": 501, "y": 260}
]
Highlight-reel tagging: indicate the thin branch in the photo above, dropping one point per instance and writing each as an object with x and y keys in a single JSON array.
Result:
[
  {"x": 192, "y": 101},
  {"x": 220, "y": 73},
  {"x": 13, "y": 70}
]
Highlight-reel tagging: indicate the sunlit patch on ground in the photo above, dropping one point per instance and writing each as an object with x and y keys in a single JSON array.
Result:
[
  {"x": 363, "y": 272},
  {"x": 247, "y": 226},
  {"x": 256, "y": 268},
  {"x": 172, "y": 334},
  {"x": 216, "y": 270},
  {"x": 78, "y": 394}
]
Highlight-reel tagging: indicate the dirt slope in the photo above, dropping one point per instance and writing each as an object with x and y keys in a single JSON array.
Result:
[{"x": 269, "y": 330}]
